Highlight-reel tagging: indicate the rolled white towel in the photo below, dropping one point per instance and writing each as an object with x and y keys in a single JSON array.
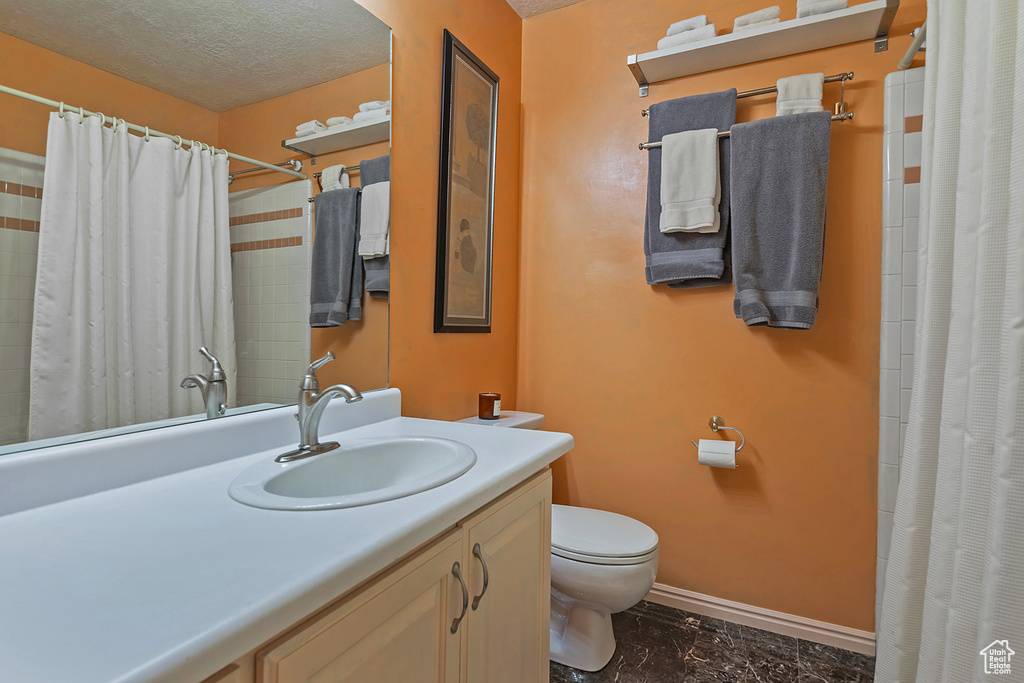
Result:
[
  {"x": 336, "y": 184},
  {"x": 758, "y": 24},
  {"x": 799, "y": 94},
  {"x": 339, "y": 121},
  {"x": 761, "y": 15},
  {"x": 377, "y": 104},
  {"x": 806, "y": 8},
  {"x": 702, "y": 33},
  {"x": 310, "y": 125},
  {"x": 687, "y": 24},
  {"x": 309, "y": 131},
  {"x": 363, "y": 116}
]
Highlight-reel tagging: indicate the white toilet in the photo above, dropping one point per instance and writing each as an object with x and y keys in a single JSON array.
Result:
[{"x": 601, "y": 563}]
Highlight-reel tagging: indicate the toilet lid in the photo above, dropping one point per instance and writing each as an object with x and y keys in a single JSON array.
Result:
[{"x": 599, "y": 534}]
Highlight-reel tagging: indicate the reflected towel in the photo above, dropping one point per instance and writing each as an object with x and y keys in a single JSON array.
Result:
[
  {"x": 372, "y": 115},
  {"x": 374, "y": 218},
  {"x": 377, "y": 104},
  {"x": 378, "y": 270},
  {"x": 336, "y": 278},
  {"x": 339, "y": 121}
]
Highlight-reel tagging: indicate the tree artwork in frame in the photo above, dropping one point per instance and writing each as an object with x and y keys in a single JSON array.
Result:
[{"x": 465, "y": 215}]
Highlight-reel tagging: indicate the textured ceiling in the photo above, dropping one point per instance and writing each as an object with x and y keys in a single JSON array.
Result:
[
  {"x": 530, "y": 8},
  {"x": 219, "y": 55}
]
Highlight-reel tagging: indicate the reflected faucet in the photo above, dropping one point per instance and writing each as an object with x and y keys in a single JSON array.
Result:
[
  {"x": 214, "y": 388},
  {"x": 312, "y": 403}
]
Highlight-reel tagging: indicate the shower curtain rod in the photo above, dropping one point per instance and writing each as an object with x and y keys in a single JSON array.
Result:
[{"x": 144, "y": 129}]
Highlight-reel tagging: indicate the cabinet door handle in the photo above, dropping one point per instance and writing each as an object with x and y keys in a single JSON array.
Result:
[
  {"x": 465, "y": 597},
  {"x": 479, "y": 556}
]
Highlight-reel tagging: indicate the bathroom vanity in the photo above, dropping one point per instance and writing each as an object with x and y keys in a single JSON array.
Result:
[{"x": 126, "y": 559}]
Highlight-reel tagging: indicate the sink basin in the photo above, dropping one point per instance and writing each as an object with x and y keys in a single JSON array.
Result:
[{"x": 359, "y": 472}]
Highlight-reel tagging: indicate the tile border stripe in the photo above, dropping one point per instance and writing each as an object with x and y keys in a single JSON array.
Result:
[
  {"x": 22, "y": 224},
  {"x": 267, "y": 244},
  {"x": 264, "y": 217},
  {"x": 20, "y": 190}
]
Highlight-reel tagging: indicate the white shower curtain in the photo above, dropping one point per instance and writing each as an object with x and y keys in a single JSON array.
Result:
[
  {"x": 134, "y": 275},
  {"x": 955, "y": 581}
]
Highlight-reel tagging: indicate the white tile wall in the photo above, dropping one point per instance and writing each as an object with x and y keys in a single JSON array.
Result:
[
  {"x": 271, "y": 294},
  {"x": 904, "y": 97},
  {"x": 17, "y": 290}
]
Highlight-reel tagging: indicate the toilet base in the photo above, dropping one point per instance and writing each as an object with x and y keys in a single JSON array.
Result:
[{"x": 581, "y": 637}]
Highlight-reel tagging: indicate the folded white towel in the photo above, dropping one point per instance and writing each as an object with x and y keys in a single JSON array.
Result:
[
  {"x": 338, "y": 121},
  {"x": 687, "y": 24},
  {"x": 364, "y": 116},
  {"x": 377, "y": 104},
  {"x": 334, "y": 177},
  {"x": 310, "y": 125},
  {"x": 773, "y": 12},
  {"x": 692, "y": 36},
  {"x": 759, "y": 24},
  {"x": 309, "y": 131},
  {"x": 806, "y": 8},
  {"x": 799, "y": 94},
  {"x": 374, "y": 219},
  {"x": 691, "y": 186},
  {"x": 339, "y": 184}
]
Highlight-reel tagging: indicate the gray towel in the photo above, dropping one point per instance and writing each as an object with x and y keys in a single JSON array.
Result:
[
  {"x": 688, "y": 260},
  {"x": 779, "y": 183},
  {"x": 336, "y": 287},
  {"x": 378, "y": 270}
]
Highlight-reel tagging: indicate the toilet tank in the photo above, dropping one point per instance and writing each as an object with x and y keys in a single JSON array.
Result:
[{"x": 509, "y": 418}]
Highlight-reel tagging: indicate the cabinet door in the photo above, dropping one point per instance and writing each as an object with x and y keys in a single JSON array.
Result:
[
  {"x": 507, "y": 638},
  {"x": 396, "y": 629}
]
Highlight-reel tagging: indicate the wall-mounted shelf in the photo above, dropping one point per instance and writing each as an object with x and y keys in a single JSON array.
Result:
[
  {"x": 869, "y": 20},
  {"x": 337, "y": 139}
]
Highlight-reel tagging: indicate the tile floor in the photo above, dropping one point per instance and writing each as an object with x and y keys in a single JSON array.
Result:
[{"x": 658, "y": 644}]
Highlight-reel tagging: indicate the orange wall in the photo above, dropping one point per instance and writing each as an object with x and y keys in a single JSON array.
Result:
[
  {"x": 41, "y": 72},
  {"x": 256, "y": 130},
  {"x": 634, "y": 372},
  {"x": 440, "y": 375}
]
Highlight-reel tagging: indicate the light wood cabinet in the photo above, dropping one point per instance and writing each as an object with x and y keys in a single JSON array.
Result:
[{"x": 399, "y": 626}]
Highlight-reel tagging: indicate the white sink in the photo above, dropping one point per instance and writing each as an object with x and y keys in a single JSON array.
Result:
[{"x": 359, "y": 472}]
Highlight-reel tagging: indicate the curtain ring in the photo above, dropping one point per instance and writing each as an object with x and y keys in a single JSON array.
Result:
[
  {"x": 146, "y": 137},
  {"x": 81, "y": 115},
  {"x": 61, "y": 110},
  {"x": 177, "y": 145},
  {"x": 103, "y": 119}
]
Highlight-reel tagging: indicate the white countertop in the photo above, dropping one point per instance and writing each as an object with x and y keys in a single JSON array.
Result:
[{"x": 169, "y": 579}]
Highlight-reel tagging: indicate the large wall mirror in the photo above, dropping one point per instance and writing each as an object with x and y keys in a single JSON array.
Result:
[{"x": 124, "y": 251}]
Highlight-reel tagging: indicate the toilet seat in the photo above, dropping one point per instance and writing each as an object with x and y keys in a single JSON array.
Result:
[{"x": 600, "y": 537}]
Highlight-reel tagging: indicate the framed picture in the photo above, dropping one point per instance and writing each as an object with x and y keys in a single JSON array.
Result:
[{"x": 465, "y": 207}]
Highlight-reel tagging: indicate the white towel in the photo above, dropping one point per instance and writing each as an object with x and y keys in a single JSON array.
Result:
[
  {"x": 309, "y": 131},
  {"x": 334, "y": 177},
  {"x": 687, "y": 24},
  {"x": 339, "y": 184},
  {"x": 691, "y": 186},
  {"x": 702, "y": 33},
  {"x": 761, "y": 15},
  {"x": 759, "y": 24},
  {"x": 799, "y": 94},
  {"x": 806, "y": 8},
  {"x": 310, "y": 125},
  {"x": 364, "y": 116},
  {"x": 378, "y": 104},
  {"x": 374, "y": 219},
  {"x": 339, "y": 121}
]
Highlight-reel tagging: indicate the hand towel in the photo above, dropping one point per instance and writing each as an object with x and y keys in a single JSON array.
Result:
[
  {"x": 684, "y": 260},
  {"x": 307, "y": 132},
  {"x": 373, "y": 114},
  {"x": 374, "y": 218},
  {"x": 687, "y": 24},
  {"x": 339, "y": 121},
  {"x": 310, "y": 125},
  {"x": 690, "y": 187},
  {"x": 331, "y": 177},
  {"x": 341, "y": 182},
  {"x": 377, "y": 104},
  {"x": 692, "y": 36},
  {"x": 779, "y": 187},
  {"x": 806, "y": 8},
  {"x": 750, "y": 27},
  {"x": 799, "y": 94},
  {"x": 336, "y": 278},
  {"x": 758, "y": 17},
  {"x": 378, "y": 270}
]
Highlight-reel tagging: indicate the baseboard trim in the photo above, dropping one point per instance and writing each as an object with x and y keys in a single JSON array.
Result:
[{"x": 769, "y": 620}]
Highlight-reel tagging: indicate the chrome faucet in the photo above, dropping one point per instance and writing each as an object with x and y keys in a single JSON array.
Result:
[
  {"x": 312, "y": 403},
  {"x": 214, "y": 388}
]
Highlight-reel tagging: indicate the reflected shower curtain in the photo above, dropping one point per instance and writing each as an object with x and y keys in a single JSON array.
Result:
[
  {"x": 955, "y": 581},
  {"x": 134, "y": 275}
]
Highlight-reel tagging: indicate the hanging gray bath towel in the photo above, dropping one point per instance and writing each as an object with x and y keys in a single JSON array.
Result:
[
  {"x": 779, "y": 187},
  {"x": 688, "y": 260},
  {"x": 336, "y": 277},
  {"x": 378, "y": 270}
]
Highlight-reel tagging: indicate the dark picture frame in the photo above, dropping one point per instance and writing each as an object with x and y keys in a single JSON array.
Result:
[{"x": 465, "y": 202}]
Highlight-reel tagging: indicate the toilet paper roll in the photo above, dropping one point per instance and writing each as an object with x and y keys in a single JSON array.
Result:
[{"x": 715, "y": 453}]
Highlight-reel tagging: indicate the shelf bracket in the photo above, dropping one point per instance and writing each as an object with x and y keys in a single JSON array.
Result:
[
  {"x": 638, "y": 74},
  {"x": 884, "y": 24}
]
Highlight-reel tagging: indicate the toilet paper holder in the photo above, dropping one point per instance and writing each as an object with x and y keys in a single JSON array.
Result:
[{"x": 716, "y": 423}]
